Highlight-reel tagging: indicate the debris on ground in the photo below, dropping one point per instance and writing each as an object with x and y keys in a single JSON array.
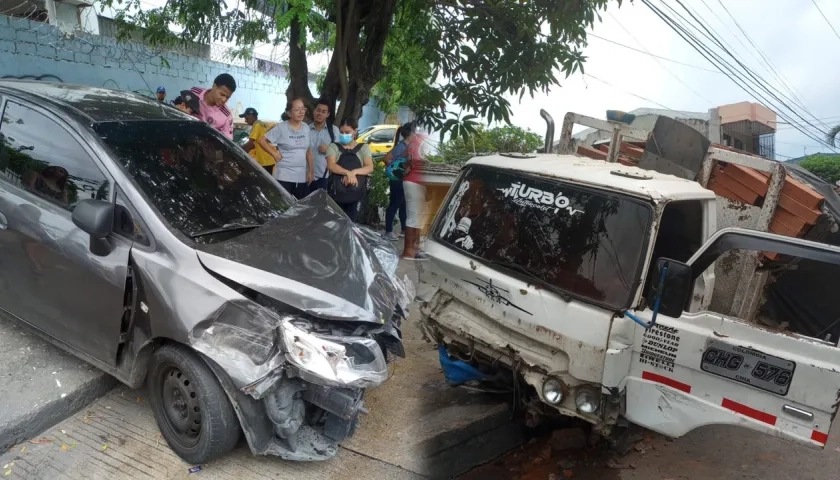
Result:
[
  {"x": 568, "y": 438},
  {"x": 194, "y": 469}
]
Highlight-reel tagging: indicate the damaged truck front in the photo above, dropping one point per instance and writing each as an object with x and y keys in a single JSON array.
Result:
[{"x": 582, "y": 287}]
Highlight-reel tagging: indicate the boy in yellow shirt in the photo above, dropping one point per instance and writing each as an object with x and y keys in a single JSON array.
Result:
[{"x": 253, "y": 148}]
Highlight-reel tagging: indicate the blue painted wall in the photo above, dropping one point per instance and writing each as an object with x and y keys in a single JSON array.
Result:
[{"x": 35, "y": 49}]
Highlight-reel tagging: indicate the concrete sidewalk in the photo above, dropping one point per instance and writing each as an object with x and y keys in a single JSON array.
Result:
[{"x": 40, "y": 385}]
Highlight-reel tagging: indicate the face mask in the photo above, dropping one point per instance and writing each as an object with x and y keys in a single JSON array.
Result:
[{"x": 345, "y": 138}]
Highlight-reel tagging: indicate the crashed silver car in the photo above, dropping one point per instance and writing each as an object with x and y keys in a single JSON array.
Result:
[{"x": 146, "y": 243}]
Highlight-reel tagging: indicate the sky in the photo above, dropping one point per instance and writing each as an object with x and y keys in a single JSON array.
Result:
[{"x": 790, "y": 33}]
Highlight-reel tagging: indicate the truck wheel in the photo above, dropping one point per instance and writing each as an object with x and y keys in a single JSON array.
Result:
[{"x": 191, "y": 408}]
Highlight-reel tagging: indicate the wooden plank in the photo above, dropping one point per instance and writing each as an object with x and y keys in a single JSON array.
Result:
[
  {"x": 632, "y": 151},
  {"x": 802, "y": 193},
  {"x": 780, "y": 227},
  {"x": 604, "y": 147},
  {"x": 741, "y": 192},
  {"x": 790, "y": 219},
  {"x": 809, "y": 215},
  {"x": 748, "y": 177},
  {"x": 591, "y": 153}
]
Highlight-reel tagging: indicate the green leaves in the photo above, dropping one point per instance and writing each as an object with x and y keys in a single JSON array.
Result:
[
  {"x": 463, "y": 146},
  {"x": 823, "y": 165}
]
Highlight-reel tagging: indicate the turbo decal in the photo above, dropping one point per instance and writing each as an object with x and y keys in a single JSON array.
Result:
[
  {"x": 535, "y": 198},
  {"x": 449, "y": 223}
]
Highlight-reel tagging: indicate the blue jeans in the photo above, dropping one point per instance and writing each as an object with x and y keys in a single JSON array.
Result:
[{"x": 396, "y": 203}]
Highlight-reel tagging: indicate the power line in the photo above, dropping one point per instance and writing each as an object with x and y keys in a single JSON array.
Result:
[
  {"x": 715, "y": 59},
  {"x": 653, "y": 54},
  {"x": 826, "y": 18},
  {"x": 626, "y": 91},
  {"x": 770, "y": 66},
  {"x": 658, "y": 61},
  {"x": 757, "y": 81}
]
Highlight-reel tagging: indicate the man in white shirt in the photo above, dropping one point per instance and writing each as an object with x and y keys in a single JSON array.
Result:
[{"x": 321, "y": 135}]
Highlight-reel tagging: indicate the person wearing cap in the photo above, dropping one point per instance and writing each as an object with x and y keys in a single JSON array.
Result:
[
  {"x": 160, "y": 94},
  {"x": 188, "y": 103},
  {"x": 253, "y": 148}
]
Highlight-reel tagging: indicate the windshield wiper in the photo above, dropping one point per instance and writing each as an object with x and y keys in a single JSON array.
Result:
[
  {"x": 524, "y": 271},
  {"x": 228, "y": 227}
]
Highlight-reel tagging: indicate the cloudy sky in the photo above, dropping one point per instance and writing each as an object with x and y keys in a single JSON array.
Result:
[{"x": 790, "y": 33}]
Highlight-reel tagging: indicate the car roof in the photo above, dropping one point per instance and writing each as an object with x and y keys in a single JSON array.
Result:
[
  {"x": 598, "y": 173},
  {"x": 93, "y": 104}
]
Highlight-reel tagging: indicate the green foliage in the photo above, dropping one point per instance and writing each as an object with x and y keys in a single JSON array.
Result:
[
  {"x": 823, "y": 165},
  {"x": 377, "y": 196},
  {"x": 506, "y": 139},
  {"x": 431, "y": 52}
]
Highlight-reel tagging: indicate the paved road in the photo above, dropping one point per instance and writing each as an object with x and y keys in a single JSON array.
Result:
[{"x": 709, "y": 453}]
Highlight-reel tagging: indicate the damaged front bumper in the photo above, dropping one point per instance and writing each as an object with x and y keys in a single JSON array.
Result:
[{"x": 296, "y": 383}]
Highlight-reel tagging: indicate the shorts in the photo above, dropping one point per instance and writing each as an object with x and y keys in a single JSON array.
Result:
[{"x": 415, "y": 201}]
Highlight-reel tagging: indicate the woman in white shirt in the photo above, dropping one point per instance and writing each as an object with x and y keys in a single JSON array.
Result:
[{"x": 295, "y": 168}]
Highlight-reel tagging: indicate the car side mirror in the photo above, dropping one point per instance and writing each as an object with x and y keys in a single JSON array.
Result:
[
  {"x": 672, "y": 286},
  {"x": 96, "y": 218}
]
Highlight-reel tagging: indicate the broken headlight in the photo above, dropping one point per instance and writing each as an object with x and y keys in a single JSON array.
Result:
[{"x": 354, "y": 362}]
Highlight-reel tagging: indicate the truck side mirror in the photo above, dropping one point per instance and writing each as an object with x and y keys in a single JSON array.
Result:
[{"x": 671, "y": 289}]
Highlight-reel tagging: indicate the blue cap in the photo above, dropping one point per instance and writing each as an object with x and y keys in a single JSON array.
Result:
[{"x": 161, "y": 90}]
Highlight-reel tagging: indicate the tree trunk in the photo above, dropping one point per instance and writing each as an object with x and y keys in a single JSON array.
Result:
[
  {"x": 360, "y": 66},
  {"x": 298, "y": 67}
]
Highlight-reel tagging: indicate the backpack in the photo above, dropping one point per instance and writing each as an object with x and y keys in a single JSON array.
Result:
[
  {"x": 398, "y": 169},
  {"x": 340, "y": 192}
]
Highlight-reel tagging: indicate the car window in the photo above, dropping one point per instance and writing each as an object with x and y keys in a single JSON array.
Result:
[
  {"x": 41, "y": 156},
  {"x": 195, "y": 178},
  {"x": 383, "y": 136},
  {"x": 588, "y": 243},
  {"x": 365, "y": 130}
]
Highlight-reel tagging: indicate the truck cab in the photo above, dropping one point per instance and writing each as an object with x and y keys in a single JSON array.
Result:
[{"x": 583, "y": 286}]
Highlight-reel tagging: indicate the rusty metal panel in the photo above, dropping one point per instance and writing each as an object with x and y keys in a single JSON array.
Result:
[{"x": 675, "y": 148}]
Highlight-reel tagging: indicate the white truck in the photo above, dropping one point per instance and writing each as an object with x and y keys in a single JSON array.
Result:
[{"x": 583, "y": 286}]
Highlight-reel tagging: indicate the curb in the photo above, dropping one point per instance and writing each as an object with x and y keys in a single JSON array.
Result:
[
  {"x": 460, "y": 450},
  {"x": 33, "y": 422}
]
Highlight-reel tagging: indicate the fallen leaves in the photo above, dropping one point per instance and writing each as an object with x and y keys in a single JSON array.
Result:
[
  {"x": 40, "y": 441},
  {"x": 103, "y": 448}
]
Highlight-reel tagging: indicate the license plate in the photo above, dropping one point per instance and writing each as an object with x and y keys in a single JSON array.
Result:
[{"x": 745, "y": 365}]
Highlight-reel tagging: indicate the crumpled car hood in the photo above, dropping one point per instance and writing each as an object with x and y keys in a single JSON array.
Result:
[{"x": 315, "y": 259}]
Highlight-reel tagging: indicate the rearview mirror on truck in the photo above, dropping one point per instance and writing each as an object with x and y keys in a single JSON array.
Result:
[{"x": 672, "y": 285}]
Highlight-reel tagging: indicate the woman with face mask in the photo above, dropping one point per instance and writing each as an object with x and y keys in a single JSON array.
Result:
[
  {"x": 350, "y": 164},
  {"x": 295, "y": 161}
]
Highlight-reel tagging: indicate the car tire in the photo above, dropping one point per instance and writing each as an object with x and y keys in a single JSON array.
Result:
[{"x": 192, "y": 409}]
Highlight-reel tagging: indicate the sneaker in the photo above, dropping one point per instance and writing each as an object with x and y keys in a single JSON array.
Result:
[
  {"x": 402, "y": 235},
  {"x": 422, "y": 256},
  {"x": 390, "y": 236}
]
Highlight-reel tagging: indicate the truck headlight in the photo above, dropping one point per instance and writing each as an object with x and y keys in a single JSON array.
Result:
[
  {"x": 554, "y": 391},
  {"x": 587, "y": 399},
  {"x": 353, "y": 362}
]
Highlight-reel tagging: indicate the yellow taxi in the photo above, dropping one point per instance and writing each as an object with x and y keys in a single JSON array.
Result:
[{"x": 381, "y": 138}]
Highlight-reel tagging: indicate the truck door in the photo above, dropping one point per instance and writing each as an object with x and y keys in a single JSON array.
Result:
[{"x": 695, "y": 369}]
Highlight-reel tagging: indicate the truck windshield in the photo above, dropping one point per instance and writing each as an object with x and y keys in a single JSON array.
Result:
[
  {"x": 196, "y": 180},
  {"x": 582, "y": 241}
]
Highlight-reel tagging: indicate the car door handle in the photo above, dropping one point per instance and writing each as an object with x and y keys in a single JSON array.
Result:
[
  {"x": 798, "y": 413},
  {"x": 3, "y": 222}
]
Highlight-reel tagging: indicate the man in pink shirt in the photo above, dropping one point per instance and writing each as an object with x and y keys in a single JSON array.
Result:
[{"x": 213, "y": 100}]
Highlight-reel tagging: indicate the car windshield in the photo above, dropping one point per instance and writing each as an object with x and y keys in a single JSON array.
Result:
[
  {"x": 584, "y": 242},
  {"x": 196, "y": 180}
]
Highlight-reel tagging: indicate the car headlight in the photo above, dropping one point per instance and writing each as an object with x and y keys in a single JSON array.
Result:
[{"x": 353, "y": 362}]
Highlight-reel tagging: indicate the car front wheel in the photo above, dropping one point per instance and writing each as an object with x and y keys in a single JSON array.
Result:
[{"x": 190, "y": 405}]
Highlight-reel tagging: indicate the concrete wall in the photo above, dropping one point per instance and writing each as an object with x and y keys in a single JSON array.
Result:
[
  {"x": 750, "y": 111},
  {"x": 31, "y": 49}
]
